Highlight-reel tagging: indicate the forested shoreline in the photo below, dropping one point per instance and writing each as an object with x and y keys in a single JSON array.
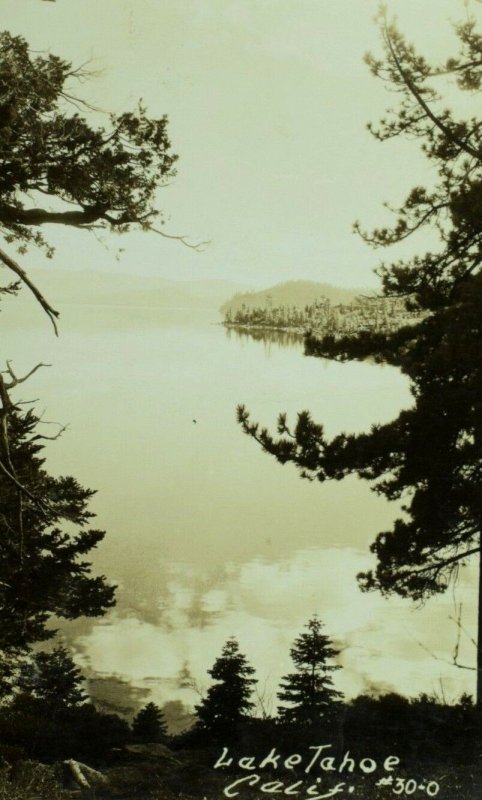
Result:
[{"x": 323, "y": 318}]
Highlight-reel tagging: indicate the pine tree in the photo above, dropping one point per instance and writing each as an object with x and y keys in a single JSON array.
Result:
[
  {"x": 308, "y": 695},
  {"x": 149, "y": 724},
  {"x": 53, "y": 679},
  {"x": 50, "y": 717},
  {"x": 43, "y": 571},
  {"x": 431, "y": 454},
  {"x": 227, "y": 703}
]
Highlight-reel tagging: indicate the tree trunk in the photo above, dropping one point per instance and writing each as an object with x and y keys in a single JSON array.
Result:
[{"x": 478, "y": 696}]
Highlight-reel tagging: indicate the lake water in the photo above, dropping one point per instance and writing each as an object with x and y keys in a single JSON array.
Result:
[{"x": 207, "y": 536}]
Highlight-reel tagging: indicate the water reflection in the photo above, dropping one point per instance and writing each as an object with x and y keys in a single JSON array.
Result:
[
  {"x": 264, "y": 604},
  {"x": 207, "y": 536},
  {"x": 266, "y": 336}
]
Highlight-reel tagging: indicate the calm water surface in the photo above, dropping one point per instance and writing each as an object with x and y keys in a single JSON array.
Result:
[
  {"x": 207, "y": 536},
  {"x": 150, "y": 396}
]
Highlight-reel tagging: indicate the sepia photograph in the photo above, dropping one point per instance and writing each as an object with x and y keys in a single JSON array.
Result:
[{"x": 240, "y": 399}]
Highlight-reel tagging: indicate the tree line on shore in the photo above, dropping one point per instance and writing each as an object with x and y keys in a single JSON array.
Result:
[
  {"x": 48, "y": 715},
  {"x": 376, "y": 314}
]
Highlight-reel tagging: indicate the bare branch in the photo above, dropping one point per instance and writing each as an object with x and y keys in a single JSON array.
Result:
[
  {"x": 17, "y": 269},
  {"x": 15, "y": 380},
  {"x": 452, "y": 663},
  {"x": 7, "y": 407},
  {"x": 264, "y": 699},
  {"x": 182, "y": 239},
  {"x": 418, "y": 97},
  {"x": 188, "y": 681},
  {"x": 458, "y": 622},
  {"x": 62, "y": 429},
  {"x": 19, "y": 485}
]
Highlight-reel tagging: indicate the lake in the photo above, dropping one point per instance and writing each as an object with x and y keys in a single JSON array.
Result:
[{"x": 207, "y": 536}]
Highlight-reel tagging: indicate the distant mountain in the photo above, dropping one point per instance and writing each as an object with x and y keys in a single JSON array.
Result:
[
  {"x": 121, "y": 289},
  {"x": 114, "y": 289},
  {"x": 292, "y": 293}
]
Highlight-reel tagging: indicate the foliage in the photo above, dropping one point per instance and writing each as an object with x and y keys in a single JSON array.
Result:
[
  {"x": 431, "y": 455},
  {"x": 88, "y": 175},
  {"x": 49, "y": 717},
  {"x": 43, "y": 571},
  {"x": 452, "y": 146},
  {"x": 108, "y": 175},
  {"x": 325, "y": 319},
  {"x": 441, "y": 484},
  {"x": 149, "y": 724},
  {"x": 31, "y": 781},
  {"x": 420, "y": 730},
  {"x": 308, "y": 695},
  {"x": 53, "y": 679},
  {"x": 227, "y": 702},
  {"x": 29, "y": 726}
]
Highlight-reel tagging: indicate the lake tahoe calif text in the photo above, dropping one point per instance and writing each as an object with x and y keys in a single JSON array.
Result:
[{"x": 298, "y": 775}]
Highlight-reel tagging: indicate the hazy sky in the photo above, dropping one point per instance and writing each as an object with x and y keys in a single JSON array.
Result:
[{"x": 268, "y": 102}]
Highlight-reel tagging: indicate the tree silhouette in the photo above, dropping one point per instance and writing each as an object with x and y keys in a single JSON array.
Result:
[
  {"x": 308, "y": 695},
  {"x": 50, "y": 717},
  {"x": 53, "y": 680},
  {"x": 103, "y": 176},
  {"x": 431, "y": 455},
  {"x": 43, "y": 571},
  {"x": 227, "y": 703},
  {"x": 87, "y": 176},
  {"x": 149, "y": 724}
]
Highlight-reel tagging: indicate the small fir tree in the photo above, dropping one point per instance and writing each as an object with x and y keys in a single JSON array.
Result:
[
  {"x": 149, "y": 724},
  {"x": 53, "y": 680},
  {"x": 227, "y": 703},
  {"x": 309, "y": 693}
]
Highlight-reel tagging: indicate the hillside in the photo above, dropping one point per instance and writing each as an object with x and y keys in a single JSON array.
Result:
[
  {"x": 117, "y": 289},
  {"x": 294, "y": 293}
]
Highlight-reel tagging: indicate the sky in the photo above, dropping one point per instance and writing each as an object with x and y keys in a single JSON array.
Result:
[{"x": 268, "y": 102}]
